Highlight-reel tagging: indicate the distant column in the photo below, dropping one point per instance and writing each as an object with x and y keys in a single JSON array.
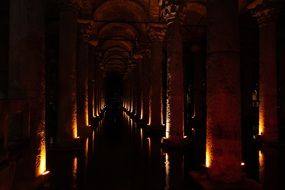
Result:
[
  {"x": 223, "y": 139},
  {"x": 67, "y": 116},
  {"x": 156, "y": 34},
  {"x": 268, "y": 117},
  {"x": 146, "y": 87},
  {"x": 82, "y": 80}
]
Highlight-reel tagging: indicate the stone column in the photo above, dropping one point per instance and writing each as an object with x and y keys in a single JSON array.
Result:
[
  {"x": 146, "y": 87},
  {"x": 4, "y": 48},
  {"x": 67, "y": 117},
  {"x": 199, "y": 82},
  {"x": 268, "y": 120},
  {"x": 82, "y": 81},
  {"x": 156, "y": 34},
  {"x": 91, "y": 63},
  {"x": 223, "y": 92},
  {"x": 175, "y": 74},
  {"x": 139, "y": 91},
  {"x": 27, "y": 75},
  {"x": 281, "y": 79},
  {"x": 3, "y": 127}
]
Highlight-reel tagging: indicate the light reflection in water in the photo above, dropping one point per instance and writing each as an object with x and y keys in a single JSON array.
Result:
[
  {"x": 86, "y": 151},
  {"x": 132, "y": 125},
  {"x": 167, "y": 171},
  {"x": 149, "y": 147},
  {"x": 261, "y": 166},
  {"x": 93, "y": 141},
  {"x": 74, "y": 171},
  {"x": 141, "y": 138}
]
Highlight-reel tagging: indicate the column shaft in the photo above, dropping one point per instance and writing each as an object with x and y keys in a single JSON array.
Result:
[
  {"x": 27, "y": 50},
  {"x": 175, "y": 85},
  {"x": 268, "y": 82},
  {"x": 156, "y": 85},
  {"x": 223, "y": 92},
  {"x": 82, "y": 84},
  {"x": 67, "y": 116}
]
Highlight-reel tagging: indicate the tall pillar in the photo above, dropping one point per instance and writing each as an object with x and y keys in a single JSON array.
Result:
[
  {"x": 146, "y": 87},
  {"x": 281, "y": 78},
  {"x": 67, "y": 117},
  {"x": 91, "y": 108},
  {"x": 156, "y": 34},
  {"x": 199, "y": 82},
  {"x": 175, "y": 74},
  {"x": 223, "y": 92},
  {"x": 26, "y": 75},
  {"x": 4, "y": 48},
  {"x": 268, "y": 120},
  {"x": 82, "y": 81}
]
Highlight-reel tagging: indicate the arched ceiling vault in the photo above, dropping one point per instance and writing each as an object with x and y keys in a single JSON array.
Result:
[{"x": 118, "y": 27}]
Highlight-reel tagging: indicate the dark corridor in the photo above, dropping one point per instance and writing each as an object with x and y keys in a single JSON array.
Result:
[{"x": 118, "y": 155}]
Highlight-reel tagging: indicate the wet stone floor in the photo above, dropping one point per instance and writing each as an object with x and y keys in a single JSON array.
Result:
[{"x": 119, "y": 156}]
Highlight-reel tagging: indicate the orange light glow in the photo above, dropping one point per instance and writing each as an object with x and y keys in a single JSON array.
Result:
[
  {"x": 208, "y": 155},
  {"x": 46, "y": 173},
  {"x": 261, "y": 165},
  {"x": 93, "y": 140},
  {"x": 74, "y": 125},
  {"x": 261, "y": 122},
  {"x": 141, "y": 137},
  {"x": 149, "y": 147},
  {"x": 141, "y": 116},
  {"x": 167, "y": 171},
  {"x": 167, "y": 128},
  {"x": 74, "y": 171},
  {"x": 41, "y": 157}
]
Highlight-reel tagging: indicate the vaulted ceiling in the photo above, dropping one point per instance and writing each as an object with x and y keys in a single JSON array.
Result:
[{"x": 118, "y": 28}]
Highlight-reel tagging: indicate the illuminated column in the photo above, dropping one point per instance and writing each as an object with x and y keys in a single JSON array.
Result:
[
  {"x": 175, "y": 74},
  {"x": 140, "y": 91},
  {"x": 82, "y": 80},
  {"x": 131, "y": 97},
  {"x": 26, "y": 75},
  {"x": 146, "y": 87},
  {"x": 199, "y": 82},
  {"x": 67, "y": 122},
  {"x": 156, "y": 34},
  {"x": 91, "y": 108},
  {"x": 223, "y": 141},
  {"x": 268, "y": 124}
]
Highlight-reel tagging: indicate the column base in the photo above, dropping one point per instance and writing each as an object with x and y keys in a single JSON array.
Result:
[
  {"x": 72, "y": 145},
  {"x": 169, "y": 143},
  {"x": 203, "y": 179},
  {"x": 154, "y": 130},
  {"x": 86, "y": 131}
]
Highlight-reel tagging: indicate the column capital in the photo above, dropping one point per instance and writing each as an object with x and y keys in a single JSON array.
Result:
[
  {"x": 68, "y": 5},
  {"x": 264, "y": 11},
  {"x": 172, "y": 10},
  {"x": 157, "y": 31},
  {"x": 86, "y": 29}
]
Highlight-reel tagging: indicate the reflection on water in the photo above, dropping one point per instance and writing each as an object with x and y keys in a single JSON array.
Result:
[
  {"x": 261, "y": 165},
  {"x": 119, "y": 155},
  {"x": 167, "y": 170},
  {"x": 74, "y": 171}
]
